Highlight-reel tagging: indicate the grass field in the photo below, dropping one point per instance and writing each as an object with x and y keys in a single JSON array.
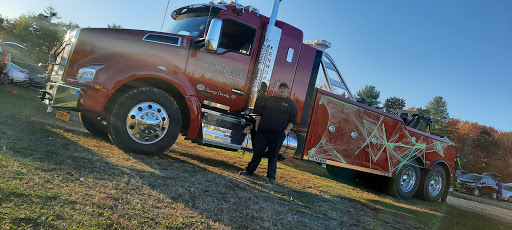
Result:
[{"x": 54, "y": 174}]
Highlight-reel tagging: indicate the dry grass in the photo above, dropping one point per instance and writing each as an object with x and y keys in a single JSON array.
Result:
[{"x": 56, "y": 175}]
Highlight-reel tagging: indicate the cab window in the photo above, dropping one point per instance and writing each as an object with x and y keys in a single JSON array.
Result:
[{"x": 236, "y": 37}]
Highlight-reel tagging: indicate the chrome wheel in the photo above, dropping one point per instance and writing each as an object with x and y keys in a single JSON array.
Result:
[
  {"x": 435, "y": 185},
  {"x": 147, "y": 122},
  {"x": 408, "y": 179},
  {"x": 476, "y": 192}
]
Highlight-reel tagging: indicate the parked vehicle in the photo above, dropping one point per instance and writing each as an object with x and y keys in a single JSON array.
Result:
[
  {"x": 507, "y": 192},
  {"x": 478, "y": 185},
  {"x": 13, "y": 73},
  {"x": 37, "y": 77},
  {"x": 201, "y": 78}
]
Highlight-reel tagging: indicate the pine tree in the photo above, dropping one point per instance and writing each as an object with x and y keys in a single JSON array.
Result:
[{"x": 370, "y": 95}]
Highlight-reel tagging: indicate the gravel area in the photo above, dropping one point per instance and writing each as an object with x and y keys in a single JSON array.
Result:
[{"x": 495, "y": 209}]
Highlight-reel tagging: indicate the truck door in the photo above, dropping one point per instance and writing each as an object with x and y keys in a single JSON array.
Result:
[{"x": 222, "y": 77}]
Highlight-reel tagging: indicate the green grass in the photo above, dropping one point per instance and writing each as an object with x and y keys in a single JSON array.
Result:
[{"x": 55, "y": 175}]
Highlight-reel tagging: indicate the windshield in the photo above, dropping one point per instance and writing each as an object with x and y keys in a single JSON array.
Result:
[
  {"x": 472, "y": 177},
  {"x": 191, "y": 24}
]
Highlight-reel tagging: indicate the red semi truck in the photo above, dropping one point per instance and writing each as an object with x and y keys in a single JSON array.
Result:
[{"x": 202, "y": 77}]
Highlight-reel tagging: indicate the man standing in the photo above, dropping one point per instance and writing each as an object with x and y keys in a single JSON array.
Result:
[{"x": 276, "y": 117}]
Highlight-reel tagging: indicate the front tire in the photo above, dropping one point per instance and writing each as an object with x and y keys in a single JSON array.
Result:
[
  {"x": 434, "y": 184},
  {"x": 4, "y": 79},
  {"x": 145, "y": 121},
  {"x": 92, "y": 122},
  {"x": 406, "y": 181}
]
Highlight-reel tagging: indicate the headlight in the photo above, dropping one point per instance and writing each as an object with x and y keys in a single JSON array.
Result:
[{"x": 87, "y": 73}]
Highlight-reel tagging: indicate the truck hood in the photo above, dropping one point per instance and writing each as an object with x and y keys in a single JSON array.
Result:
[{"x": 103, "y": 46}]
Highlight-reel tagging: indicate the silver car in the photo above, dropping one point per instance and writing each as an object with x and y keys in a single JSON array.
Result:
[
  {"x": 14, "y": 73},
  {"x": 507, "y": 192}
]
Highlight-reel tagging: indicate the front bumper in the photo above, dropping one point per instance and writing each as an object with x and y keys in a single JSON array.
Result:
[{"x": 60, "y": 95}]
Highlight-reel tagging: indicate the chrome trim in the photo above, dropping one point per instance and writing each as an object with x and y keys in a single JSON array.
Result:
[
  {"x": 73, "y": 45},
  {"x": 161, "y": 68},
  {"x": 213, "y": 36},
  {"x": 408, "y": 179},
  {"x": 61, "y": 62},
  {"x": 147, "y": 122},
  {"x": 238, "y": 91},
  {"x": 62, "y": 96},
  {"x": 266, "y": 61},
  {"x": 349, "y": 166},
  {"x": 374, "y": 140},
  {"x": 164, "y": 35},
  {"x": 435, "y": 185},
  {"x": 332, "y": 64}
]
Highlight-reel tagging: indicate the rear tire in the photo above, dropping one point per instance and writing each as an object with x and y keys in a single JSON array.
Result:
[
  {"x": 476, "y": 192},
  {"x": 25, "y": 84},
  {"x": 494, "y": 195},
  {"x": 406, "y": 181},
  {"x": 145, "y": 121},
  {"x": 90, "y": 120},
  {"x": 434, "y": 184}
]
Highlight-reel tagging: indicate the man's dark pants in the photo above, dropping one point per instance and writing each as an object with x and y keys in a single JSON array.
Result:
[{"x": 274, "y": 142}]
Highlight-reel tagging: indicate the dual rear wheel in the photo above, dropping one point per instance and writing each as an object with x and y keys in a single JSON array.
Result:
[{"x": 407, "y": 182}]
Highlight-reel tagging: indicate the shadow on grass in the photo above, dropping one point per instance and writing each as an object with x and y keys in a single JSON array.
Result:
[{"x": 218, "y": 194}]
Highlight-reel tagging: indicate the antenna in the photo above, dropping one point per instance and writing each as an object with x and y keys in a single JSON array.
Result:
[{"x": 165, "y": 14}]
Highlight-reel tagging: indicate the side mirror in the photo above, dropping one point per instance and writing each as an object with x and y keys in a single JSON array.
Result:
[{"x": 213, "y": 37}]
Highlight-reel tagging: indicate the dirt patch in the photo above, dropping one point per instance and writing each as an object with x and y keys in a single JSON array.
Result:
[{"x": 490, "y": 211}]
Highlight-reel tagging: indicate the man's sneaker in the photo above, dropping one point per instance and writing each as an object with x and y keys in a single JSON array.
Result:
[
  {"x": 272, "y": 181},
  {"x": 244, "y": 173}
]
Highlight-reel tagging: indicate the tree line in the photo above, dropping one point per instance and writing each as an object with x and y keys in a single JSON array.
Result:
[
  {"x": 38, "y": 33},
  {"x": 480, "y": 148}
]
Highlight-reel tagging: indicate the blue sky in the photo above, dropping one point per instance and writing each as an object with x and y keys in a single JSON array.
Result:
[{"x": 413, "y": 49}]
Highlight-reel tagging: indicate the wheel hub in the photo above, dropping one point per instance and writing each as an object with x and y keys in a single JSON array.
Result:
[
  {"x": 147, "y": 122},
  {"x": 408, "y": 179},
  {"x": 435, "y": 185}
]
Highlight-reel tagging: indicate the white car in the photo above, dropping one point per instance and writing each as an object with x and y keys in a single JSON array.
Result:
[
  {"x": 507, "y": 192},
  {"x": 14, "y": 73}
]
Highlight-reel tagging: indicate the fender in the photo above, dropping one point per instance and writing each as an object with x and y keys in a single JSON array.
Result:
[
  {"x": 121, "y": 72},
  {"x": 118, "y": 73},
  {"x": 406, "y": 157},
  {"x": 443, "y": 162}
]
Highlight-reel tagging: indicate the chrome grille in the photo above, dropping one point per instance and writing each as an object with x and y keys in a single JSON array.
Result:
[{"x": 62, "y": 54}]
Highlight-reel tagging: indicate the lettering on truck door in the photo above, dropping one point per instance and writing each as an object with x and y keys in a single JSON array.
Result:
[{"x": 222, "y": 77}]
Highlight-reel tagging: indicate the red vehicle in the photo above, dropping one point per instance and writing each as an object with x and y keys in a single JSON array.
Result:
[{"x": 201, "y": 78}]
